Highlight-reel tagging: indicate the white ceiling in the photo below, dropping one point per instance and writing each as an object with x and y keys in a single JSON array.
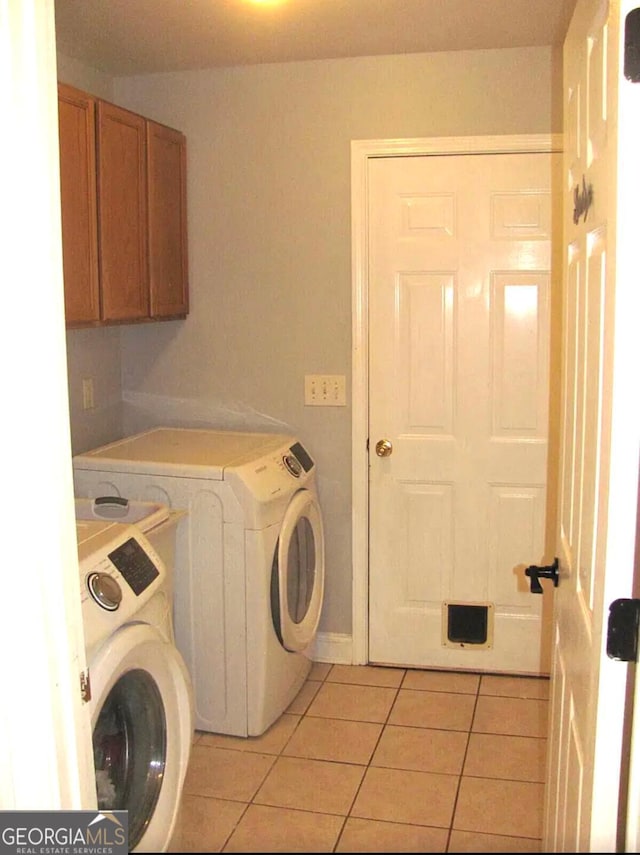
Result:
[{"x": 123, "y": 37}]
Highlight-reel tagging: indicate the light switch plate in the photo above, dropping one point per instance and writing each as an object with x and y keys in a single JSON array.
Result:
[{"x": 325, "y": 390}]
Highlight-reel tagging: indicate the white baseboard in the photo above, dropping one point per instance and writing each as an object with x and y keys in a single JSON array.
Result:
[{"x": 333, "y": 647}]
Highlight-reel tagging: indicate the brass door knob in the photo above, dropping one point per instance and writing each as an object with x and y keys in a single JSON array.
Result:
[{"x": 384, "y": 447}]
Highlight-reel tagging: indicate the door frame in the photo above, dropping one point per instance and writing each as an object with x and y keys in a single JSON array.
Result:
[{"x": 361, "y": 152}]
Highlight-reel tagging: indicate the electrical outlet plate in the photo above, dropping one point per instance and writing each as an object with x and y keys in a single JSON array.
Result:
[
  {"x": 87, "y": 393},
  {"x": 325, "y": 390}
]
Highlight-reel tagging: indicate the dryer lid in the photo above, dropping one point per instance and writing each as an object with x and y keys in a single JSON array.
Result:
[{"x": 186, "y": 452}]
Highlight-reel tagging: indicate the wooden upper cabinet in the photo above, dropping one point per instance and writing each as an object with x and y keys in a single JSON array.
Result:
[
  {"x": 122, "y": 213},
  {"x": 76, "y": 117},
  {"x": 167, "y": 195}
]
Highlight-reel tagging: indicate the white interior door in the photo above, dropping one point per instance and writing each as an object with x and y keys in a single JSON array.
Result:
[
  {"x": 601, "y": 427},
  {"x": 460, "y": 289},
  {"x": 47, "y": 761}
]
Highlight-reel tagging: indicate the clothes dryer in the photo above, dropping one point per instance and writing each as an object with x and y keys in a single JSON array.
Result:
[
  {"x": 141, "y": 701},
  {"x": 249, "y": 576}
]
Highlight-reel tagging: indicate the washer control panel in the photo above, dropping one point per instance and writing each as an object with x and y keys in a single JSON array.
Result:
[
  {"x": 105, "y": 590},
  {"x": 135, "y": 567},
  {"x": 120, "y": 572},
  {"x": 135, "y": 564}
]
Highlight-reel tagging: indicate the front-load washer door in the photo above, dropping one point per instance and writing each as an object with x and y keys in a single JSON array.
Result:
[
  {"x": 142, "y": 721},
  {"x": 297, "y": 582}
]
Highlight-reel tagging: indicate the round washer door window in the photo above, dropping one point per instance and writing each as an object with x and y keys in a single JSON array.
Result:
[
  {"x": 298, "y": 573},
  {"x": 142, "y": 722},
  {"x": 130, "y": 750}
]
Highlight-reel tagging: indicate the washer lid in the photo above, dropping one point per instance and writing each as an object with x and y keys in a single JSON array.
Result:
[
  {"x": 181, "y": 451},
  {"x": 146, "y": 515},
  {"x": 88, "y": 535}
]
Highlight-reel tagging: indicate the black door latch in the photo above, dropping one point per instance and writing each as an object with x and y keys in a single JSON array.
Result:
[
  {"x": 550, "y": 571},
  {"x": 622, "y": 630},
  {"x": 632, "y": 46}
]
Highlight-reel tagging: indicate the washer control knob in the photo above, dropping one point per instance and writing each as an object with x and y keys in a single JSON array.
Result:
[
  {"x": 293, "y": 465},
  {"x": 105, "y": 590}
]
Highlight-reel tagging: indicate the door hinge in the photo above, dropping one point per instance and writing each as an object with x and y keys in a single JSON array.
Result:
[
  {"x": 85, "y": 686},
  {"x": 622, "y": 630},
  {"x": 632, "y": 46}
]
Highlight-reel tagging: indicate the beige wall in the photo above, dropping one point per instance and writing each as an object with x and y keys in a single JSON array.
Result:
[
  {"x": 84, "y": 77},
  {"x": 270, "y": 240}
]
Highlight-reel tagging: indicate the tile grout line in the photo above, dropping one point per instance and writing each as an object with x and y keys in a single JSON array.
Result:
[
  {"x": 368, "y": 765},
  {"x": 464, "y": 760}
]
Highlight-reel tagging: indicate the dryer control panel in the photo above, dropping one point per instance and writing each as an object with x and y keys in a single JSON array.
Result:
[
  {"x": 264, "y": 486},
  {"x": 297, "y": 460}
]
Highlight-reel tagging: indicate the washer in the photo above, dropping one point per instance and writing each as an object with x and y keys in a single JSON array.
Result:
[
  {"x": 249, "y": 580},
  {"x": 141, "y": 702},
  {"x": 156, "y": 521}
]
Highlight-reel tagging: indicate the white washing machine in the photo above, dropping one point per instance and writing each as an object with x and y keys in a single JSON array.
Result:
[
  {"x": 156, "y": 521},
  {"x": 249, "y": 577},
  {"x": 141, "y": 700}
]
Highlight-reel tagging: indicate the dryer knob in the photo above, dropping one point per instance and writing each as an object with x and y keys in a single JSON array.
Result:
[
  {"x": 105, "y": 590},
  {"x": 293, "y": 465}
]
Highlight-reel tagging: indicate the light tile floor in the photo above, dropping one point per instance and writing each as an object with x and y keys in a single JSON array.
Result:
[{"x": 370, "y": 759}]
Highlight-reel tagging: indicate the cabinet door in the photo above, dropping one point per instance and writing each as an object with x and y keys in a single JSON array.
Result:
[
  {"x": 122, "y": 213},
  {"x": 166, "y": 177},
  {"x": 76, "y": 118}
]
